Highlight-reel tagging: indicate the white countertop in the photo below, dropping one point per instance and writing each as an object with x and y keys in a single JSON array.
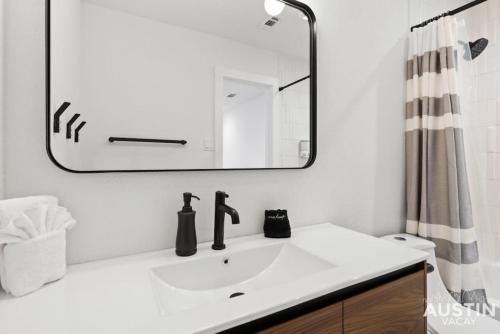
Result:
[{"x": 116, "y": 296}]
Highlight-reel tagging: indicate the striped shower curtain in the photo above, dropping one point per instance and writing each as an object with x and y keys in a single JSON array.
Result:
[{"x": 438, "y": 196}]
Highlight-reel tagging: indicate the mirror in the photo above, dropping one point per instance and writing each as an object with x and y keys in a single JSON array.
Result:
[{"x": 160, "y": 85}]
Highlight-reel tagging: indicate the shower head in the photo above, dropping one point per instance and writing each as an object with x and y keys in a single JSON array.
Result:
[
  {"x": 474, "y": 49},
  {"x": 477, "y": 47}
]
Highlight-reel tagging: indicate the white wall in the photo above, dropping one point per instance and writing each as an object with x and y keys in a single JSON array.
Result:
[
  {"x": 356, "y": 182},
  {"x": 1, "y": 98}
]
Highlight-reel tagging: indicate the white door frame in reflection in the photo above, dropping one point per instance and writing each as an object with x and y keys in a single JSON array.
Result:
[{"x": 222, "y": 73}]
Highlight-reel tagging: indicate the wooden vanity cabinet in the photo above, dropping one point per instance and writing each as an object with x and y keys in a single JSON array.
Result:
[
  {"x": 394, "y": 304},
  {"x": 327, "y": 320},
  {"x": 396, "y": 307}
]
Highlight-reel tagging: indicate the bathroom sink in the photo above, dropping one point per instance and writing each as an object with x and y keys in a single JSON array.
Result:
[{"x": 220, "y": 277}]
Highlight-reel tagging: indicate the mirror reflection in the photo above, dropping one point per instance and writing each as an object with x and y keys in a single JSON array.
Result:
[{"x": 179, "y": 85}]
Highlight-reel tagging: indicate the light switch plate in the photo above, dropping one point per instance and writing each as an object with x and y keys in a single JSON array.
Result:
[{"x": 208, "y": 145}]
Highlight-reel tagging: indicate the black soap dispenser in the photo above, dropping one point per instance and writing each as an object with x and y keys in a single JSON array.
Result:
[{"x": 186, "y": 243}]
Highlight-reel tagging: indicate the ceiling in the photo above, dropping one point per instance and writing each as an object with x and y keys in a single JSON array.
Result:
[{"x": 239, "y": 20}]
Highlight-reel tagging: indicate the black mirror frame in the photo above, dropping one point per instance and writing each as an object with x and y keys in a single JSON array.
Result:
[{"x": 313, "y": 103}]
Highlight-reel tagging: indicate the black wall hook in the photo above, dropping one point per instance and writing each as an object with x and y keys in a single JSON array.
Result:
[
  {"x": 77, "y": 131},
  {"x": 57, "y": 116},
  {"x": 70, "y": 124}
]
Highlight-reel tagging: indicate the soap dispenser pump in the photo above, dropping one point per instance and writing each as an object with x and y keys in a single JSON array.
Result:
[{"x": 186, "y": 244}]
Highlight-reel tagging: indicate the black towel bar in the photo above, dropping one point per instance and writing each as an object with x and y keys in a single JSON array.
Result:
[{"x": 145, "y": 140}]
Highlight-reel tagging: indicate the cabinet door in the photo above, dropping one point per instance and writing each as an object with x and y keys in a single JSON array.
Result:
[
  {"x": 393, "y": 308},
  {"x": 327, "y": 320}
]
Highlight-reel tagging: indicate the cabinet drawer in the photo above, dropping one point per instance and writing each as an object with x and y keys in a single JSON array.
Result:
[
  {"x": 327, "y": 320},
  {"x": 396, "y": 307}
]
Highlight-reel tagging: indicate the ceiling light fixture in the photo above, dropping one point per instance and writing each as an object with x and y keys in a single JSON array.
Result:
[{"x": 274, "y": 7}]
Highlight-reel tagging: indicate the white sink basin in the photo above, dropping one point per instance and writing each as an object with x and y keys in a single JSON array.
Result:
[{"x": 194, "y": 283}]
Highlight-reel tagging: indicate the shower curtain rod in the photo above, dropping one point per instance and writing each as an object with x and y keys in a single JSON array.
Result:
[{"x": 450, "y": 13}]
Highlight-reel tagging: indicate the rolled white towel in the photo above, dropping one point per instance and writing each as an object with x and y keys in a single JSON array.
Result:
[
  {"x": 58, "y": 218},
  {"x": 27, "y": 266},
  {"x": 18, "y": 229},
  {"x": 11, "y": 208},
  {"x": 33, "y": 248},
  {"x": 34, "y": 222}
]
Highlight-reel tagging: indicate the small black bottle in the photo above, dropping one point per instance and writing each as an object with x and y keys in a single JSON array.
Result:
[{"x": 186, "y": 244}]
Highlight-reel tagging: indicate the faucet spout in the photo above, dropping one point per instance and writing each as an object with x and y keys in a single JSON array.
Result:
[
  {"x": 221, "y": 209},
  {"x": 235, "y": 217}
]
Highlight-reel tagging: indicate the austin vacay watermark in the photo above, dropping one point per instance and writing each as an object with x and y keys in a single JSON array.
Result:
[{"x": 454, "y": 314}]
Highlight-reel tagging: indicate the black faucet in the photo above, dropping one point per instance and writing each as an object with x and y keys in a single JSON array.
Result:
[{"x": 220, "y": 212}]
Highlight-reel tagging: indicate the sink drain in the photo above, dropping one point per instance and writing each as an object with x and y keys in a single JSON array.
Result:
[{"x": 236, "y": 294}]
